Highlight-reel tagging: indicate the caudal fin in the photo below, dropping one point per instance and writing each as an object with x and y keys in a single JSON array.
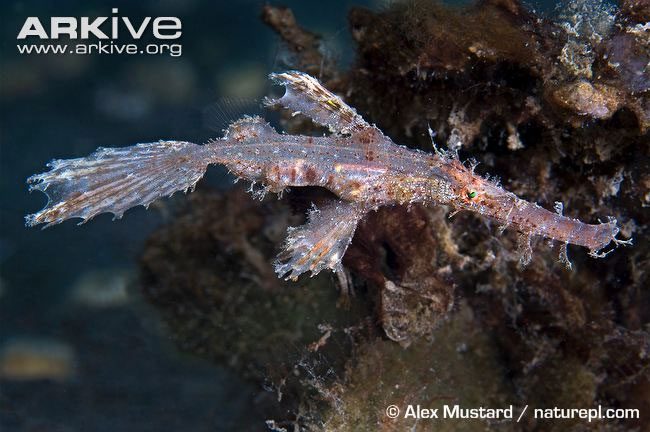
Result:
[{"x": 116, "y": 179}]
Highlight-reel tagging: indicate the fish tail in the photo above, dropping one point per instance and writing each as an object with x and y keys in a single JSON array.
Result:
[{"x": 115, "y": 179}]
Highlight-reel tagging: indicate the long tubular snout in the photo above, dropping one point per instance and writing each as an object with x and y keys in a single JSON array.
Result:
[{"x": 532, "y": 219}]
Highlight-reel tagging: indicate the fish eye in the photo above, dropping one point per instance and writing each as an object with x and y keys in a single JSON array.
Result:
[{"x": 471, "y": 194}]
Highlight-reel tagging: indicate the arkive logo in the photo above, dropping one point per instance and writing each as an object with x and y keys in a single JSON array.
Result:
[
  {"x": 108, "y": 35},
  {"x": 114, "y": 27}
]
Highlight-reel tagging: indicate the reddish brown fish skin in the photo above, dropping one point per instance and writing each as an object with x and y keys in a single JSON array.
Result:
[
  {"x": 360, "y": 164},
  {"x": 489, "y": 199},
  {"x": 386, "y": 174},
  {"x": 394, "y": 175},
  {"x": 535, "y": 220}
]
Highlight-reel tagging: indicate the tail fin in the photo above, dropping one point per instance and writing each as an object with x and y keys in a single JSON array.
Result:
[{"x": 116, "y": 179}]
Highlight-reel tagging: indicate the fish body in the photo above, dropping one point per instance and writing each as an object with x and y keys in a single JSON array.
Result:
[{"x": 364, "y": 168}]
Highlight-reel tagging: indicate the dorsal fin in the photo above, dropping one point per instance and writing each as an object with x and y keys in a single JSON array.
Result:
[
  {"x": 306, "y": 95},
  {"x": 248, "y": 128},
  {"x": 226, "y": 110}
]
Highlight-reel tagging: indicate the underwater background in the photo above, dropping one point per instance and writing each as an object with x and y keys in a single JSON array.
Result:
[
  {"x": 93, "y": 334},
  {"x": 68, "y": 294}
]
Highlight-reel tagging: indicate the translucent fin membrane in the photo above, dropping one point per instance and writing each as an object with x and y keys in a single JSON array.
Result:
[
  {"x": 116, "y": 179},
  {"x": 321, "y": 242},
  {"x": 305, "y": 95},
  {"x": 222, "y": 113}
]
